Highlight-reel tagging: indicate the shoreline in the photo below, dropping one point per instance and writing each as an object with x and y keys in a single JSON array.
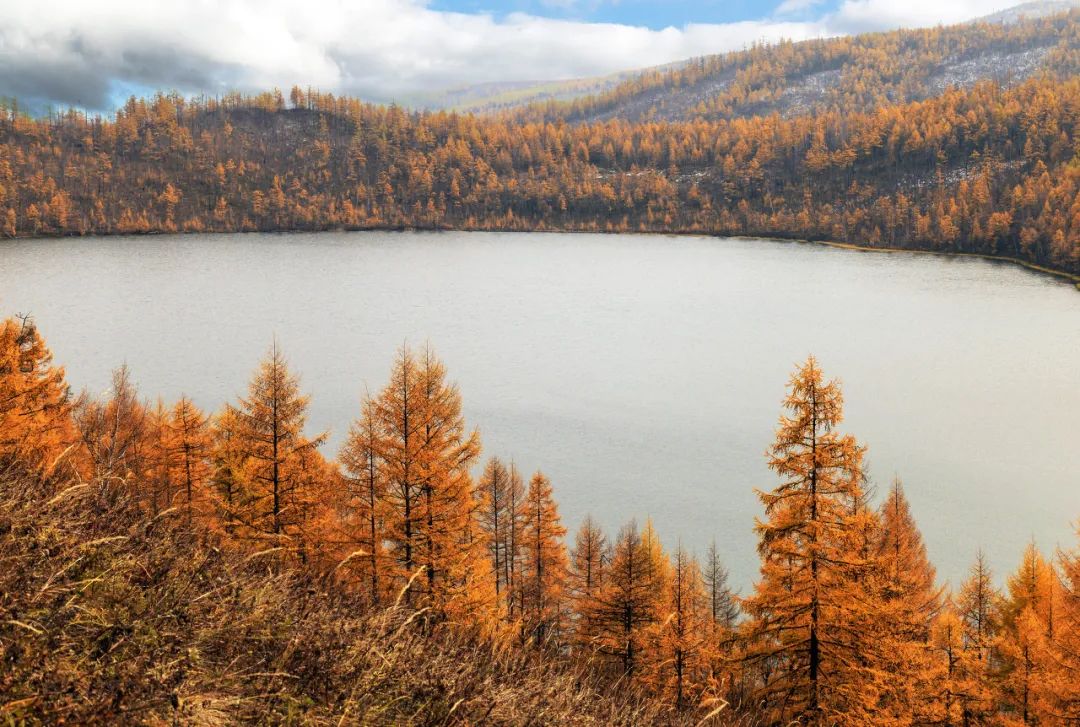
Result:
[{"x": 1064, "y": 275}]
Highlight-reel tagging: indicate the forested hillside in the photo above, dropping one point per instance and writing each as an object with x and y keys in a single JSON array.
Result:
[
  {"x": 849, "y": 74},
  {"x": 163, "y": 565},
  {"x": 985, "y": 170}
]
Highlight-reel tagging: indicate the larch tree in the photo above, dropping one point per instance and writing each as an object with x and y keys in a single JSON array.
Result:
[
  {"x": 588, "y": 563},
  {"x": 280, "y": 466},
  {"x": 36, "y": 429},
  {"x": 629, "y": 604},
  {"x": 158, "y": 486},
  {"x": 953, "y": 678},
  {"x": 494, "y": 486},
  {"x": 114, "y": 432},
  {"x": 192, "y": 442},
  {"x": 978, "y": 606},
  {"x": 1063, "y": 677},
  {"x": 680, "y": 668},
  {"x": 908, "y": 600},
  {"x": 725, "y": 650},
  {"x": 723, "y": 606},
  {"x": 1026, "y": 637},
  {"x": 544, "y": 562},
  {"x": 431, "y": 508},
  {"x": 361, "y": 519},
  {"x": 513, "y": 548},
  {"x": 805, "y": 607},
  {"x": 232, "y": 498}
]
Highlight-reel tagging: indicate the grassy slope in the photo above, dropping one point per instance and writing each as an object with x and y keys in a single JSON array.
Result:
[{"x": 109, "y": 616}]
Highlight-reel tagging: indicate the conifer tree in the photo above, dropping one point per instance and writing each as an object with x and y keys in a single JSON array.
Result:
[
  {"x": 513, "y": 550},
  {"x": 903, "y": 581},
  {"x": 495, "y": 518},
  {"x": 1063, "y": 672},
  {"x": 431, "y": 508},
  {"x": 114, "y": 432},
  {"x": 231, "y": 495},
  {"x": 361, "y": 520},
  {"x": 723, "y": 607},
  {"x": 804, "y": 610},
  {"x": 629, "y": 603},
  {"x": 953, "y": 678},
  {"x": 158, "y": 487},
  {"x": 588, "y": 562},
  {"x": 36, "y": 428},
  {"x": 978, "y": 605},
  {"x": 280, "y": 467},
  {"x": 544, "y": 561},
  {"x": 725, "y": 646},
  {"x": 1026, "y": 637},
  {"x": 191, "y": 438},
  {"x": 680, "y": 666}
]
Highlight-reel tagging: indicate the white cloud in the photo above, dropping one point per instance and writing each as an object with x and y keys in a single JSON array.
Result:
[
  {"x": 75, "y": 51},
  {"x": 792, "y": 7},
  {"x": 861, "y": 15}
]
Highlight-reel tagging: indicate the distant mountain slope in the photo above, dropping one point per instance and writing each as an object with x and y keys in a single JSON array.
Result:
[
  {"x": 849, "y": 74},
  {"x": 494, "y": 97},
  {"x": 1037, "y": 9}
]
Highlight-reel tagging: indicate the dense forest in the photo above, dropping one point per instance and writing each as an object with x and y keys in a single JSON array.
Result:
[
  {"x": 165, "y": 565},
  {"x": 844, "y": 75},
  {"x": 992, "y": 168}
]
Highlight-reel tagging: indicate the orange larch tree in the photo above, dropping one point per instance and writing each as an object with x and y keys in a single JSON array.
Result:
[
  {"x": 907, "y": 600},
  {"x": 192, "y": 443},
  {"x": 544, "y": 572},
  {"x": 978, "y": 605},
  {"x": 680, "y": 668},
  {"x": 361, "y": 526},
  {"x": 1026, "y": 639},
  {"x": 431, "y": 515},
  {"x": 629, "y": 605},
  {"x": 588, "y": 562},
  {"x": 495, "y": 516},
  {"x": 114, "y": 432},
  {"x": 36, "y": 428},
  {"x": 282, "y": 469},
  {"x": 803, "y": 608}
]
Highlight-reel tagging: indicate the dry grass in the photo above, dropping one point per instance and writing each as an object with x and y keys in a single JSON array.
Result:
[{"x": 108, "y": 616}]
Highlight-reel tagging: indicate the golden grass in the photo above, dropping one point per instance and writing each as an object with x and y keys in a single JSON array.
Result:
[{"x": 109, "y": 616}]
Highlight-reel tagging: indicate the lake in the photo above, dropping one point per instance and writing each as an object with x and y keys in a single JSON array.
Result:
[{"x": 643, "y": 373}]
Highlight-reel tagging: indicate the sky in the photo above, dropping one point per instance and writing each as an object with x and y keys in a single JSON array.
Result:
[{"x": 56, "y": 53}]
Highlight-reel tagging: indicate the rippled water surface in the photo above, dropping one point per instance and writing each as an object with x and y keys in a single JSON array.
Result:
[{"x": 644, "y": 374}]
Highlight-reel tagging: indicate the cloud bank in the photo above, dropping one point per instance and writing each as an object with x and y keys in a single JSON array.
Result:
[{"x": 89, "y": 54}]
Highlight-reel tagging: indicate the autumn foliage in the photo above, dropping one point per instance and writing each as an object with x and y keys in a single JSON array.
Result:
[
  {"x": 886, "y": 159},
  {"x": 347, "y": 588}
]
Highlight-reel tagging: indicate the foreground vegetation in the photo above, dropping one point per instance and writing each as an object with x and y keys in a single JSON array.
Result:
[{"x": 161, "y": 566}]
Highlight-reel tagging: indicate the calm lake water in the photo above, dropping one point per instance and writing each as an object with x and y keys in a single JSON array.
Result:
[{"x": 644, "y": 374}]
